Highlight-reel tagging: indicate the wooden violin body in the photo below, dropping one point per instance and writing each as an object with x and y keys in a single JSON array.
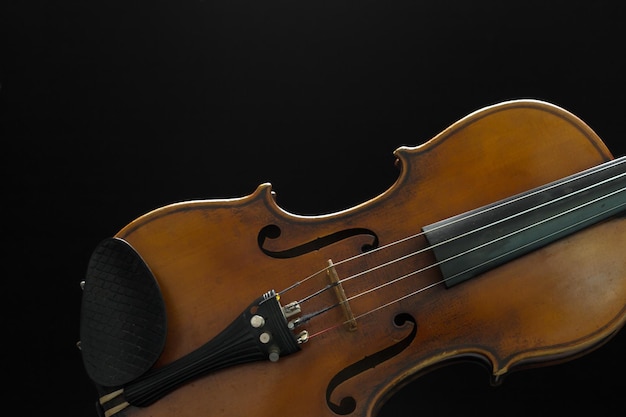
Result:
[{"x": 212, "y": 258}]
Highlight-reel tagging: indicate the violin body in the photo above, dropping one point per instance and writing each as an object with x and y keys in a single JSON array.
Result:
[{"x": 211, "y": 258}]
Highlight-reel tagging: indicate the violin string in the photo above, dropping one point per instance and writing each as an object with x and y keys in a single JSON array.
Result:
[
  {"x": 547, "y": 236},
  {"x": 429, "y": 286},
  {"x": 352, "y": 258},
  {"x": 547, "y": 219},
  {"x": 472, "y": 249},
  {"x": 476, "y": 213},
  {"x": 420, "y": 251},
  {"x": 442, "y": 281}
]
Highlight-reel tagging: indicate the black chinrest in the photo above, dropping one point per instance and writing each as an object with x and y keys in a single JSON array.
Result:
[{"x": 123, "y": 322}]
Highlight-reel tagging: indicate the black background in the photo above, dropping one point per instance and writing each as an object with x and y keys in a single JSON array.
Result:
[{"x": 111, "y": 109}]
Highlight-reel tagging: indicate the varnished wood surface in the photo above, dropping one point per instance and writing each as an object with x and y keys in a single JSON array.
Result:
[{"x": 554, "y": 304}]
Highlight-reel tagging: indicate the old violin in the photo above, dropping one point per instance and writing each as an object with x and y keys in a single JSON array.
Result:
[{"x": 491, "y": 245}]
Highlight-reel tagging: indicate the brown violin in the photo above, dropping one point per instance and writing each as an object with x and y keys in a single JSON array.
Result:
[{"x": 492, "y": 244}]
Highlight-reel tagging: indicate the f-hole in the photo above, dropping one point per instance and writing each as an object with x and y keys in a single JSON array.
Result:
[
  {"x": 347, "y": 405},
  {"x": 273, "y": 232}
]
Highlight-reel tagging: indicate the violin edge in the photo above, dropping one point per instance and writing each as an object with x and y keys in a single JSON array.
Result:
[
  {"x": 402, "y": 154},
  {"x": 487, "y": 110}
]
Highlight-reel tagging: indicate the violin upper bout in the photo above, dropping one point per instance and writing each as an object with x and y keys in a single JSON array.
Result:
[{"x": 496, "y": 152}]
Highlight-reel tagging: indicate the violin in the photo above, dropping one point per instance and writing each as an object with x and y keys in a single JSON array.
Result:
[{"x": 501, "y": 241}]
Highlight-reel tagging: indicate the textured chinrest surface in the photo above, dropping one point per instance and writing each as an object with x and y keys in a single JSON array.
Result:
[{"x": 123, "y": 321}]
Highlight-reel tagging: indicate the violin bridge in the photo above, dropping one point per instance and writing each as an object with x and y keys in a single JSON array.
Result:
[{"x": 350, "y": 322}]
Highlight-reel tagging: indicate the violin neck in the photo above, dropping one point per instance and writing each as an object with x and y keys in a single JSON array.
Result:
[{"x": 476, "y": 241}]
